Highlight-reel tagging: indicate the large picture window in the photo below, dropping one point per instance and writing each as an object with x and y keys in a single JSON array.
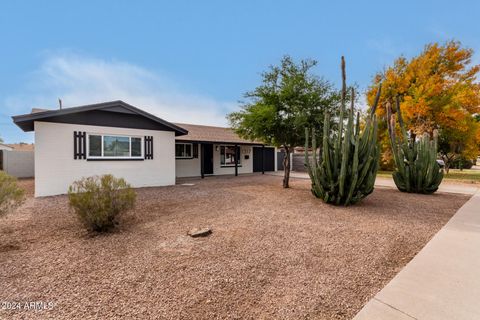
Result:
[
  {"x": 109, "y": 146},
  {"x": 228, "y": 156},
  {"x": 183, "y": 151}
]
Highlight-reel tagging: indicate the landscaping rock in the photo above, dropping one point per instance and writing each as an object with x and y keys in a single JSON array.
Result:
[{"x": 199, "y": 232}]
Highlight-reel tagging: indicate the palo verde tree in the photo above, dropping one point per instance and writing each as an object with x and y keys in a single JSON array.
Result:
[
  {"x": 289, "y": 99},
  {"x": 438, "y": 91}
]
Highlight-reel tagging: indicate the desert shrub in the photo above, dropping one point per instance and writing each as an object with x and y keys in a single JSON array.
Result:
[
  {"x": 99, "y": 200},
  {"x": 462, "y": 163},
  {"x": 11, "y": 195}
]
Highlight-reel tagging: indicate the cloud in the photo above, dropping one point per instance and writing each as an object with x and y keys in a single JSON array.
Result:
[{"x": 81, "y": 80}]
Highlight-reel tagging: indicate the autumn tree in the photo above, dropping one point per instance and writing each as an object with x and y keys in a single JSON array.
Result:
[
  {"x": 438, "y": 90},
  {"x": 289, "y": 99}
]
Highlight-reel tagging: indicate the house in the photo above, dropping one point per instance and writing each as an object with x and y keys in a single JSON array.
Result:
[
  {"x": 22, "y": 146},
  {"x": 5, "y": 147},
  {"x": 120, "y": 139}
]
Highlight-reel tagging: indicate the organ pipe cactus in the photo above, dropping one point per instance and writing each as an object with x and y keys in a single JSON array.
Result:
[
  {"x": 348, "y": 164},
  {"x": 417, "y": 170}
]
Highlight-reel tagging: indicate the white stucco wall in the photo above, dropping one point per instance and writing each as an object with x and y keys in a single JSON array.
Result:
[
  {"x": 246, "y": 165},
  {"x": 55, "y": 168},
  {"x": 188, "y": 167},
  {"x": 191, "y": 167}
]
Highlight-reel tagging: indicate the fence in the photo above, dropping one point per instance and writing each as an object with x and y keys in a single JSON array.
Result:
[
  {"x": 298, "y": 162},
  {"x": 19, "y": 164}
]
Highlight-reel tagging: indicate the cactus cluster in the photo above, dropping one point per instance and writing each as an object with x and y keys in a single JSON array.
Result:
[
  {"x": 417, "y": 170},
  {"x": 348, "y": 164}
]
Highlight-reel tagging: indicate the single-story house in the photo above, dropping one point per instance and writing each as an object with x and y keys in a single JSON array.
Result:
[
  {"x": 5, "y": 147},
  {"x": 22, "y": 146},
  {"x": 120, "y": 139}
]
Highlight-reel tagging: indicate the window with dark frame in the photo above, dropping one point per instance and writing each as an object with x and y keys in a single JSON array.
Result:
[
  {"x": 183, "y": 151},
  {"x": 228, "y": 156},
  {"x": 114, "y": 147}
]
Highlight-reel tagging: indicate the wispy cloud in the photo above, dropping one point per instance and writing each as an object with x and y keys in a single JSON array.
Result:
[{"x": 81, "y": 80}]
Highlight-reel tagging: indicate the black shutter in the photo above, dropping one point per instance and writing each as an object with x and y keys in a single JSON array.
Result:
[
  {"x": 195, "y": 150},
  {"x": 148, "y": 147},
  {"x": 79, "y": 145}
]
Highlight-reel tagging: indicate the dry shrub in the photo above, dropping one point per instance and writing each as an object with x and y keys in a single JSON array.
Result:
[
  {"x": 11, "y": 195},
  {"x": 99, "y": 200}
]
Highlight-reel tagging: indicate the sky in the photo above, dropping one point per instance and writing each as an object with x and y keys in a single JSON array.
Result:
[{"x": 192, "y": 61}]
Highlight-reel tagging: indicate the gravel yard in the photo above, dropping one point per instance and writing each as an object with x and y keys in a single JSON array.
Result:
[{"x": 274, "y": 252}]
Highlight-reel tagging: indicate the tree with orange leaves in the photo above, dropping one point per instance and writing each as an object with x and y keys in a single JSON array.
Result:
[{"x": 438, "y": 90}]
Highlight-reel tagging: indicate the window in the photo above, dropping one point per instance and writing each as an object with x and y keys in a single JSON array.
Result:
[
  {"x": 136, "y": 144},
  {"x": 228, "y": 156},
  {"x": 107, "y": 146},
  {"x": 183, "y": 151},
  {"x": 95, "y": 146}
]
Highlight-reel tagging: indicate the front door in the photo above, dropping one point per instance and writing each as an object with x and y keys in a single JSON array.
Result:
[{"x": 208, "y": 158}]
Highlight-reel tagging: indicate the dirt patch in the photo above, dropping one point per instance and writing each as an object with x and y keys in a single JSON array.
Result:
[
  {"x": 28, "y": 185},
  {"x": 274, "y": 253}
]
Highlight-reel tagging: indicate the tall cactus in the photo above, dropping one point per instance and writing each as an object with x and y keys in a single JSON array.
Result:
[
  {"x": 417, "y": 170},
  {"x": 346, "y": 172}
]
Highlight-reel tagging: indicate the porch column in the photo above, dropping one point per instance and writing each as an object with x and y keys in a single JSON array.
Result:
[
  {"x": 263, "y": 159},
  {"x": 237, "y": 154},
  {"x": 202, "y": 159}
]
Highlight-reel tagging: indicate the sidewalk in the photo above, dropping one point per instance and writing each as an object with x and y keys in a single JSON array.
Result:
[
  {"x": 442, "y": 281},
  {"x": 445, "y": 186}
]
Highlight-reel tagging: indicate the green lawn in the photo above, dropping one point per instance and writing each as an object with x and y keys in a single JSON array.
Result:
[{"x": 468, "y": 176}]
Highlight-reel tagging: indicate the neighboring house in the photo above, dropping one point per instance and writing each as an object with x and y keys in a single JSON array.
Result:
[
  {"x": 5, "y": 147},
  {"x": 22, "y": 146},
  {"x": 117, "y": 138},
  {"x": 17, "y": 159}
]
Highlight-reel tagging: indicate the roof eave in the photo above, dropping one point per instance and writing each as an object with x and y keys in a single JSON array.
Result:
[
  {"x": 25, "y": 121},
  {"x": 221, "y": 142}
]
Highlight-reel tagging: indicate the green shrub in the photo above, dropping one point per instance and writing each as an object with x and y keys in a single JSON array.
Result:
[
  {"x": 99, "y": 200},
  {"x": 462, "y": 163},
  {"x": 11, "y": 195}
]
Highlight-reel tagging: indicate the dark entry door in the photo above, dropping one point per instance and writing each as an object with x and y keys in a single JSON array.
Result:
[
  {"x": 208, "y": 159},
  {"x": 258, "y": 159}
]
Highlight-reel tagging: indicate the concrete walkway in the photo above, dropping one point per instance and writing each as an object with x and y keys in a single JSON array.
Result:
[
  {"x": 445, "y": 186},
  {"x": 442, "y": 281}
]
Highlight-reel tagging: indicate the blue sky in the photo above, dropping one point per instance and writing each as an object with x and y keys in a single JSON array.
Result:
[{"x": 191, "y": 61}]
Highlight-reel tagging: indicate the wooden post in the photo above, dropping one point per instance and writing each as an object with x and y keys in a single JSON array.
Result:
[
  {"x": 202, "y": 160},
  {"x": 237, "y": 154}
]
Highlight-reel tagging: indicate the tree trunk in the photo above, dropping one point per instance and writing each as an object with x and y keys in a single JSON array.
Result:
[
  {"x": 448, "y": 162},
  {"x": 286, "y": 168}
]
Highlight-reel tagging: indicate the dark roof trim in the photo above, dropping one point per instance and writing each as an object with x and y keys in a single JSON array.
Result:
[
  {"x": 220, "y": 142},
  {"x": 38, "y": 116}
]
